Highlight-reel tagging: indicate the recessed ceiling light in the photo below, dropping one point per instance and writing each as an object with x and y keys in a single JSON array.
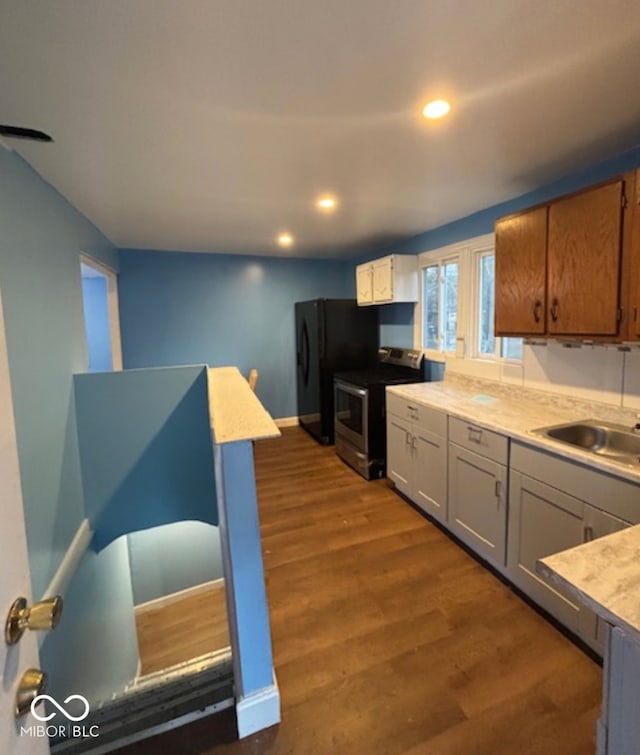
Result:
[
  {"x": 285, "y": 239},
  {"x": 326, "y": 203},
  {"x": 436, "y": 109}
]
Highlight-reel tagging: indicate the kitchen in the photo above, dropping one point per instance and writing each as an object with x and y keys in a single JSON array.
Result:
[{"x": 185, "y": 307}]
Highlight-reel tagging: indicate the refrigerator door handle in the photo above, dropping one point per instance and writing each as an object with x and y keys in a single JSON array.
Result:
[{"x": 305, "y": 351}]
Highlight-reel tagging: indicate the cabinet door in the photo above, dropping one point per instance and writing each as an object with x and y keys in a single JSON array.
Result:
[
  {"x": 542, "y": 521},
  {"x": 521, "y": 268},
  {"x": 622, "y": 685},
  {"x": 430, "y": 489},
  {"x": 478, "y": 502},
  {"x": 383, "y": 280},
  {"x": 597, "y": 524},
  {"x": 364, "y": 284},
  {"x": 583, "y": 262},
  {"x": 631, "y": 253},
  {"x": 400, "y": 454}
]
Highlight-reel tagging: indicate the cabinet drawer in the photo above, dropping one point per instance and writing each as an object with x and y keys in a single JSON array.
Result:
[
  {"x": 618, "y": 497},
  {"x": 477, "y": 439},
  {"x": 428, "y": 418}
]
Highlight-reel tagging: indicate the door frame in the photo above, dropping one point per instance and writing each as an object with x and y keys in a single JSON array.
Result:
[
  {"x": 15, "y": 579},
  {"x": 112, "y": 305}
]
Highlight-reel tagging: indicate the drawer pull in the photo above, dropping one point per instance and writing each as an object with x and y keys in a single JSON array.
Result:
[
  {"x": 537, "y": 305},
  {"x": 498, "y": 490},
  {"x": 475, "y": 434},
  {"x": 588, "y": 534}
]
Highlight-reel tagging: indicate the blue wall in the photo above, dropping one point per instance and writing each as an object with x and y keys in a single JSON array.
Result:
[
  {"x": 167, "y": 559},
  {"x": 96, "y": 323},
  {"x": 94, "y": 650},
  {"x": 396, "y": 325},
  {"x": 145, "y": 449},
  {"x": 180, "y": 308},
  {"x": 482, "y": 222},
  {"x": 41, "y": 237}
]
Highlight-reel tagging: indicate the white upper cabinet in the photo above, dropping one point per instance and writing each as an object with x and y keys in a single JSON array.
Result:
[
  {"x": 364, "y": 284},
  {"x": 390, "y": 279}
]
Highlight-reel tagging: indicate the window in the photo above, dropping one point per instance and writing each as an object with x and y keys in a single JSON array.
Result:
[
  {"x": 458, "y": 303},
  {"x": 486, "y": 340},
  {"x": 440, "y": 305},
  {"x": 487, "y": 345}
]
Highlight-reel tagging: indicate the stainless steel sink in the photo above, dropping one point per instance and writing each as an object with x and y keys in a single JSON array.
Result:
[{"x": 616, "y": 442}]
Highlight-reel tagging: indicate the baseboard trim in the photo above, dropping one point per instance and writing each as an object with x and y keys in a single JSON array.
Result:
[
  {"x": 70, "y": 561},
  {"x": 287, "y": 422},
  {"x": 258, "y": 710},
  {"x": 174, "y": 597}
]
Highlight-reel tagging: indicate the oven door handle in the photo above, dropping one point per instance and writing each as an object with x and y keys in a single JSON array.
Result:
[{"x": 347, "y": 388}]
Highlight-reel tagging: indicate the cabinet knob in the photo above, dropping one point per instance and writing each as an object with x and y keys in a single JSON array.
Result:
[{"x": 554, "y": 310}]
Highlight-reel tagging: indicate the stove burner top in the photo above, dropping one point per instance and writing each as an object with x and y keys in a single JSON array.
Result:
[
  {"x": 395, "y": 366},
  {"x": 382, "y": 375}
]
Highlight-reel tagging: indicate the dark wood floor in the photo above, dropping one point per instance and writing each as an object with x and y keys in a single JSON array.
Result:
[{"x": 388, "y": 638}]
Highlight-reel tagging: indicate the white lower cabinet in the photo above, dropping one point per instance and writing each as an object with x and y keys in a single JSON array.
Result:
[
  {"x": 400, "y": 454},
  {"x": 417, "y": 454},
  {"x": 510, "y": 503},
  {"x": 478, "y": 502},
  {"x": 544, "y": 520},
  {"x": 430, "y": 482}
]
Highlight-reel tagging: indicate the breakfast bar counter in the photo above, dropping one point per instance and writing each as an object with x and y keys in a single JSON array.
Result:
[
  {"x": 237, "y": 418},
  {"x": 605, "y": 575}
]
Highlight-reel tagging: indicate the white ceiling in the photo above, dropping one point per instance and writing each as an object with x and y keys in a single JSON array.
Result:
[{"x": 211, "y": 125}]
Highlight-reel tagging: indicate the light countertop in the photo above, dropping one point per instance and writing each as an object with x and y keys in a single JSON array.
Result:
[
  {"x": 515, "y": 411},
  {"x": 234, "y": 409},
  {"x": 605, "y": 575}
]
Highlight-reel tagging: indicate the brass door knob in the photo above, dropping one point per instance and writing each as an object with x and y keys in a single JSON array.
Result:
[
  {"x": 40, "y": 616},
  {"x": 32, "y": 684}
]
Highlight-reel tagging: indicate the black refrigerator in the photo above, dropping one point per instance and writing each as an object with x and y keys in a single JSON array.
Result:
[{"x": 331, "y": 335}]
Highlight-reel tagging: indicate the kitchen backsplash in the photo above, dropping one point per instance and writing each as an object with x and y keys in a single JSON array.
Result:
[{"x": 601, "y": 373}]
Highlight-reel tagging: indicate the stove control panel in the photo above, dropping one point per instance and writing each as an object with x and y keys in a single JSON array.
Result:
[{"x": 400, "y": 357}]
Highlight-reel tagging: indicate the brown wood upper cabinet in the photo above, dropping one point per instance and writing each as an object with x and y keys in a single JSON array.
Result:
[
  {"x": 583, "y": 262},
  {"x": 558, "y": 267},
  {"x": 521, "y": 269},
  {"x": 631, "y": 260}
]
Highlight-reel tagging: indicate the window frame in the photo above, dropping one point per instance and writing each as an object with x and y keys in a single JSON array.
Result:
[
  {"x": 478, "y": 252},
  {"x": 439, "y": 258},
  {"x": 468, "y": 255}
]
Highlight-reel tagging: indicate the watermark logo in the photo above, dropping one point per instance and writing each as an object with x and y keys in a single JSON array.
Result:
[
  {"x": 57, "y": 705},
  {"x": 65, "y": 730}
]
